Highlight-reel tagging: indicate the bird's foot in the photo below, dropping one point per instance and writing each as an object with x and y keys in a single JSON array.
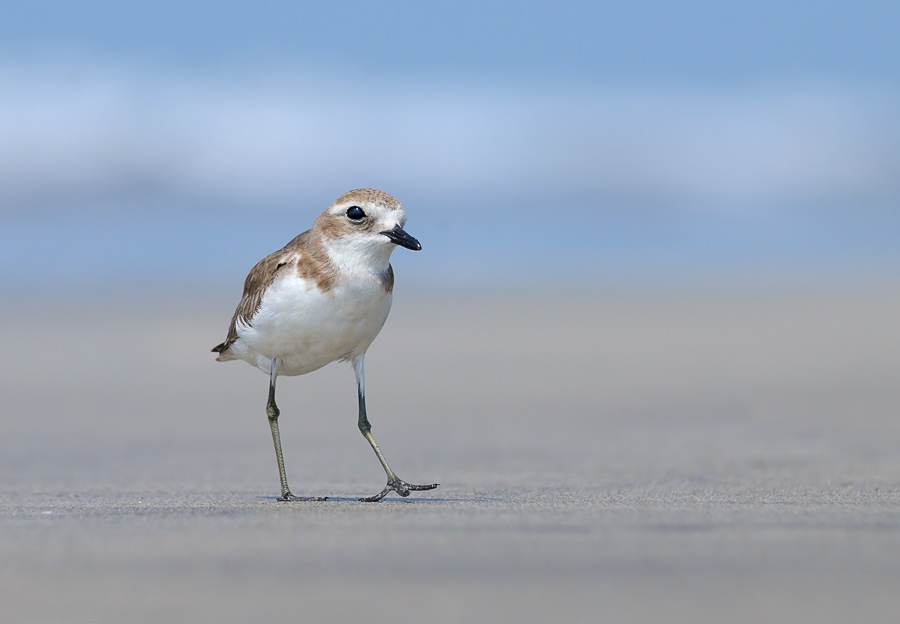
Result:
[
  {"x": 401, "y": 487},
  {"x": 288, "y": 497}
]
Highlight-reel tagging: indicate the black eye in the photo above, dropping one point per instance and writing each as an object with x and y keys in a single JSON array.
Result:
[{"x": 355, "y": 213}]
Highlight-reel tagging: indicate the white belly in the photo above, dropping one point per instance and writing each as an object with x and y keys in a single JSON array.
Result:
[{"x": 305, "y": 329}]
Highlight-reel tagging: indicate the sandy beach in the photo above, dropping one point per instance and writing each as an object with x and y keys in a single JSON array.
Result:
[{"x": 642, "y": 456}]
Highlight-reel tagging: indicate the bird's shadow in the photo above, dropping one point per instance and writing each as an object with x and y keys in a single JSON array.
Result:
[{"x": 349, "y": 499}]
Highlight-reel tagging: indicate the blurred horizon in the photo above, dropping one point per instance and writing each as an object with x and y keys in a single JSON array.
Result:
[{"x": 530, "y": 144}]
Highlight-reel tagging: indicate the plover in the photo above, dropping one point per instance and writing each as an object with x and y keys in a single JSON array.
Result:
[{"x": 323, "y": 297}]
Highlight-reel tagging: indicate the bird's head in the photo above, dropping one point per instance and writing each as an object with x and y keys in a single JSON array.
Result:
[{"x": 362, "y": 227}]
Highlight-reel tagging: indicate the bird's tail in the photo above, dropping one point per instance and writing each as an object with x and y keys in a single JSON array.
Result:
[{"x": 224, "y": 352}]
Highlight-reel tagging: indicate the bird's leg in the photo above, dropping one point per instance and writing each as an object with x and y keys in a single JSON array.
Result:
[
  {"x": 273, "y": 412},
  {"x": 394, "y": 483}
]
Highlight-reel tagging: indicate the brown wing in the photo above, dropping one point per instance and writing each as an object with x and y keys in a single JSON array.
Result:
[{"x": 258, "y": 280}]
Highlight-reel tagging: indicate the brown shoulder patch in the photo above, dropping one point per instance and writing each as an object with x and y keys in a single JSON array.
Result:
[
  {"x": 387, "y": 279},
  {"x": 314, "y": 264}
]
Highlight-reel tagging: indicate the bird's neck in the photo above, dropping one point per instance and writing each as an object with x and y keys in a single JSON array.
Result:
[{"x": 358, "y": 257}]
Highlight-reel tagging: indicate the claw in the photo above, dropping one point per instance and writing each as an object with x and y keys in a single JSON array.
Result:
[{"x": 400, "y": 487}]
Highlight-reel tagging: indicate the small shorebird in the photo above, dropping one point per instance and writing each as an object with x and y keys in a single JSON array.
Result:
[{"x": 323, "y": 297}]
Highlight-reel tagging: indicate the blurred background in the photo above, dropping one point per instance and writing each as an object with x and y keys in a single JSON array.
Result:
[{"x": 169, "y": 145}]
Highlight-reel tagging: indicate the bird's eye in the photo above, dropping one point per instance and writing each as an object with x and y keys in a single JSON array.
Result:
[{"x": 355, "y": 213}]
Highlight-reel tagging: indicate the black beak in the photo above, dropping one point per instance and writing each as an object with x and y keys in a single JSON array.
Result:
[{"x": 399, "y": 236}]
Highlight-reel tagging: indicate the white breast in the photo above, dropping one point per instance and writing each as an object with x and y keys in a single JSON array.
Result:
[{"x": 305, "y": 328}]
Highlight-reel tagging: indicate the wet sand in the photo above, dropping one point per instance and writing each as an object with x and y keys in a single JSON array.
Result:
[{"x": 605, "y": 456}]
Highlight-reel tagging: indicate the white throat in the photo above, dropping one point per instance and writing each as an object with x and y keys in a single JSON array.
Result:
[{"x": 368, "y": 253}]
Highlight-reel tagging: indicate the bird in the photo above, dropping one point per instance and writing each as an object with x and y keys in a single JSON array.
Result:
[{"x": 322, "y": 298}]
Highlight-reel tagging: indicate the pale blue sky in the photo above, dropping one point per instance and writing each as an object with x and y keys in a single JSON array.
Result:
[
  {"x": 618, "y": 141},
  {"x": 622, "y": 41}
]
